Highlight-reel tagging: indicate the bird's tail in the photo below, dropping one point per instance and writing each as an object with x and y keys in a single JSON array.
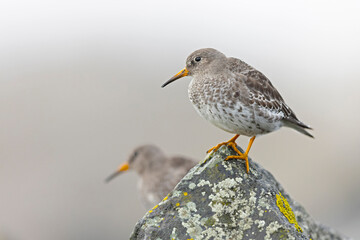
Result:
[{"x": 297, "y": 125}]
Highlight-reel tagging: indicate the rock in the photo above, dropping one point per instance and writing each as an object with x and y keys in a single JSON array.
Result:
[{"x": 217, "y": 199}]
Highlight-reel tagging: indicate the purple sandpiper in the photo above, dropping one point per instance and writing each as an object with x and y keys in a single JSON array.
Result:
[
  {"x": 235, "y": 97},
  {"x": 158, "y": 173}
]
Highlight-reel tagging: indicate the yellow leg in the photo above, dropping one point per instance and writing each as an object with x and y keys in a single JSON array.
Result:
[
  {"x": 230, "y": 142},
  {"x": 242, "y": 155}
]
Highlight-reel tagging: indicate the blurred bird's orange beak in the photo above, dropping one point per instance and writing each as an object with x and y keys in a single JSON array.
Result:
[
  {"x": 180, "y": 74},
  {"x": 123, "y": 167}
]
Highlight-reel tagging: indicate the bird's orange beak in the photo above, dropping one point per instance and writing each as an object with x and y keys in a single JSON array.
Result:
[
  {"x": 123, "y": 167},
  {"x": 180, "y": 74}
]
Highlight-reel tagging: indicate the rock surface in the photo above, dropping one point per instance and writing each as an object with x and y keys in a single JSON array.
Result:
[{"x": 217, "y": 199}]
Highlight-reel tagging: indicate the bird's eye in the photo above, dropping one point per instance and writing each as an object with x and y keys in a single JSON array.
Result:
[
  {"x": 197, "y": 59},
  {"x": 132, "y": 158}
]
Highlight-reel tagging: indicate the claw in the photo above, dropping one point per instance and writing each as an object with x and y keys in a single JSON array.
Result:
[
  {"x": 217, "y": 147},
  {"x": 244, "y": 157},
  {"x": 231, "y": 143}
]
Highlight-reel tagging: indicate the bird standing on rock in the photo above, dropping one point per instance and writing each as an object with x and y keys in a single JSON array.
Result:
[
  {"x": 235, "y": 97},
  {"x": 158, "y": 173}
]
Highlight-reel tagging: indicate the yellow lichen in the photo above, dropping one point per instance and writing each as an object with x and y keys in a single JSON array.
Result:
[
  {"x": 177, "y": 204},
  {"x": 285, "y": 208},
  {"x": 165, "y": 198},
  {"x": 185, "y": 193},
  {"x": 153, "y": 209}
]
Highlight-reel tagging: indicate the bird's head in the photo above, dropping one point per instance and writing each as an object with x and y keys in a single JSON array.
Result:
[
  {"x": 142, "y": 159},
  {"x": 199, "y": 62}
]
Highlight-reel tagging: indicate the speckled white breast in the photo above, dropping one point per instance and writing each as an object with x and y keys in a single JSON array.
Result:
[{"x": 227, "y": 112}]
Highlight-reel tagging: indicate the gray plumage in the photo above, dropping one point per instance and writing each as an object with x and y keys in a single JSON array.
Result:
[
  {"x": 236, "y": 97},
  {"x": 158, "y": 173}
]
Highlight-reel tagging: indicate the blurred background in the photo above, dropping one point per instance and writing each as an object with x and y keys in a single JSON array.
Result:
[{"x": 80, "y": 88}]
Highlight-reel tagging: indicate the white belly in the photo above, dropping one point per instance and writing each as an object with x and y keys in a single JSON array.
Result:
[{"x": 237, "y": 119}]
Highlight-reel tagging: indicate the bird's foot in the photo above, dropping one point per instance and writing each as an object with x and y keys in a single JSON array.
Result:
[
  {"x": 230, "y": 142},
  {"x": 244, "y": 156}
]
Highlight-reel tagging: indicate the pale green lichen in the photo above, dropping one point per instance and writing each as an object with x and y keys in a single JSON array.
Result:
[
  {"x": 191, "y": 206},
  {"x": 228, "y": 167},
  {"x": 209, "y": 222},
  {"x": 246, "y": 223},
  {"x": 184, "y": 213},
  {"x": 252, "y": 198},
  {"x": 239, "y": 179},
  {"x": 173, "y": 234},
  {"x": 260, "y": 224},
  {"x": 228, "y": 206},
  {"x": 271, "y": 229},
  {"x": 190, "y": 219},
  {"x": 154, "y": 222},
  {"x": 262, "y": 203},
  {"x": 176, "y": 193},
  {"x": 203, "y": 183}
]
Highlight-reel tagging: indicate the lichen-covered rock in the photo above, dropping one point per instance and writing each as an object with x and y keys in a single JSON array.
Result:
[{"x": 217, "y": 199}]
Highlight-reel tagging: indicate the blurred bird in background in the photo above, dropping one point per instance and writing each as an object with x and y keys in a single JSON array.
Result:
[{"x": 158, "y": 173}]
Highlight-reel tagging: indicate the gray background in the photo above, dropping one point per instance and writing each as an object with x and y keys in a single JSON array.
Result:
[{"x": 80, "y": 88}]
